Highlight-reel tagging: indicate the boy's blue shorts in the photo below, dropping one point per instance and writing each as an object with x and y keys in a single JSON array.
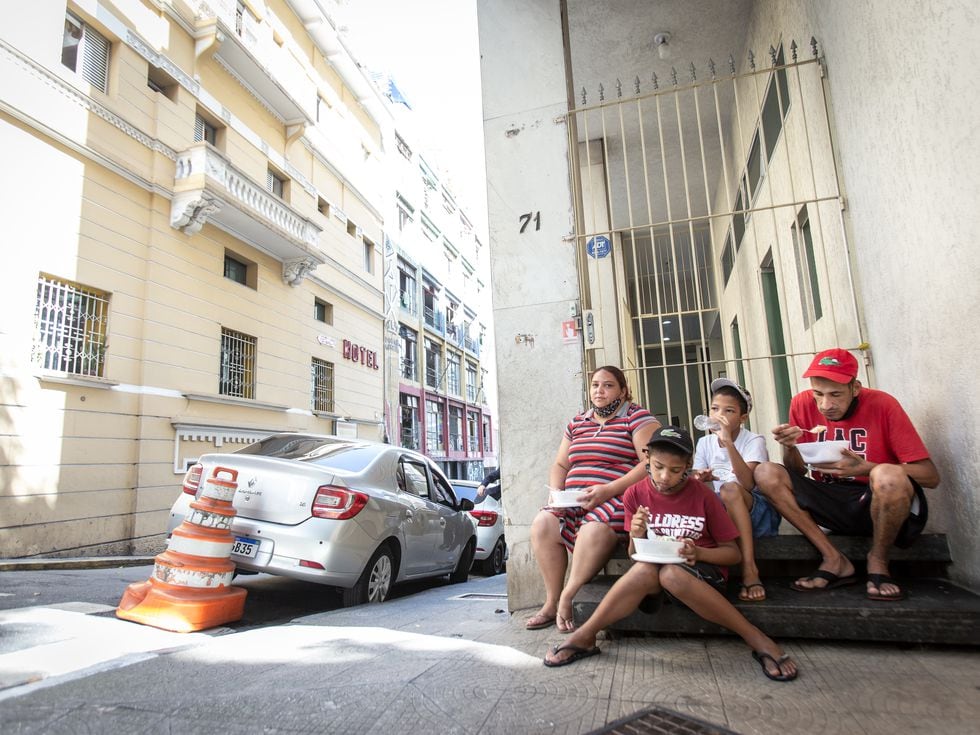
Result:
[{"x": 765, "y": 519}]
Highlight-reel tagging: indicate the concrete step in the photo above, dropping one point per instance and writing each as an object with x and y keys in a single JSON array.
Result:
[{"x": 935, "y": 611}]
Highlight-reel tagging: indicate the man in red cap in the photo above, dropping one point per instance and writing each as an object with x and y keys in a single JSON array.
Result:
[{"x": 874, "y": 489}]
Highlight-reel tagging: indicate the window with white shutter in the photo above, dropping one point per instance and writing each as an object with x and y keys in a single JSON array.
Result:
[{"x": 86, "y": 51}]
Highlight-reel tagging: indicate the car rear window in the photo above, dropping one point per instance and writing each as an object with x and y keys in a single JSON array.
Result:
[{"x": 335, "y": 453}]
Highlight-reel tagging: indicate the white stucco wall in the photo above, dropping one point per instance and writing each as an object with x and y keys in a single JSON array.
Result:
[
  {"x": 904, "y": 102},
  {"x": 534, "y": 278}
]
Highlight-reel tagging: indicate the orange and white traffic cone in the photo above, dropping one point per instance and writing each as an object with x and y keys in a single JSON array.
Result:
[{"x": 191, "y": 584}]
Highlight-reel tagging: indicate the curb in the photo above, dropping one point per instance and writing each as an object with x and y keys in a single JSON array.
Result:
[{"x": 85, "y": 562}]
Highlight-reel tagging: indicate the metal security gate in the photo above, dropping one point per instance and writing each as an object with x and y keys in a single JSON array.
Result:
[{"x": 709, "y": 231}]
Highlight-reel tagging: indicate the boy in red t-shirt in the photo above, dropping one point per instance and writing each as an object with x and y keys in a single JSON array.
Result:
[{"x": 674, "y": 504}]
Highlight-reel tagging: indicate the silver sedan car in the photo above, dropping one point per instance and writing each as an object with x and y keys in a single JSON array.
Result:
[{"x": 356, "y": 515}]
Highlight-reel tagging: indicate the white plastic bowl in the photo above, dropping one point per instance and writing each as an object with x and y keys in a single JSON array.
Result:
[
  {"x": 564, "y": 498},
  {"x": 661, "y": 546},
  {"x": 822, "y": 452}
]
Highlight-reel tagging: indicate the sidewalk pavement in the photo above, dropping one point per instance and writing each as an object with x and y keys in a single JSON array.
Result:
[{"x": 453, "y": 660}]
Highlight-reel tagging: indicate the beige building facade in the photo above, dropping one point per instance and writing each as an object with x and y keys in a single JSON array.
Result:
[
  {"x": 725, "y": 188},
  {"x": 193, "y": 220}
]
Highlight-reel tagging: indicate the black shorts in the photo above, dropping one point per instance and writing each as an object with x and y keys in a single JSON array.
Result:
[{"x": 845, "y": 508}]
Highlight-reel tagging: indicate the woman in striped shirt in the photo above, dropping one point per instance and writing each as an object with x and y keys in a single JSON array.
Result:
[{"x": 601, "y": 454}]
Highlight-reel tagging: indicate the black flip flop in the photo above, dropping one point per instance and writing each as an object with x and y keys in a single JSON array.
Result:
[
  {"x": 762, "y": 657},
  {"x": 879, "y": 579},
  {"x": 577, "y": 653},
  {"x": 833, "y": 581}
]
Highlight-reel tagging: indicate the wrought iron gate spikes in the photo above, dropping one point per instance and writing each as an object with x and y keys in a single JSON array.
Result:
[
  {"x": 731, "y": 64},
  {"x": 602, "y": 93},
  {"x": 813, "y": 46},
  {"x": 711, "y": 67},
  {"x": 656, "y": 82},
  {"x": 673, "y": 76},
  {"x": 792, "y": 48},
  {"x": 752, "y": 59},
  {"x": 636, "y": 84},
  {"x": 583, "y": 96},
  {"x": 772, "y": 54},
  {"x": 619, "y": 89},
  {"x": 694, "y": 73}
]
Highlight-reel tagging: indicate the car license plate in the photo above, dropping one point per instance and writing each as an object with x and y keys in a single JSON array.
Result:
[{"x": 245, "y": 547}]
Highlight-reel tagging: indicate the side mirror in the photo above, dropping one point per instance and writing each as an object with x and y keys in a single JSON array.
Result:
[{"x": 466, "y": 504}]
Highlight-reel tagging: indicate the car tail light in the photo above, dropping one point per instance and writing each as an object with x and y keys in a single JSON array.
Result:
[
  {"x": 310, "y": 564},
  {"x": 192, "y": 480},
  {"x": 484, "y": 517},
  {"x": 338, "y": 503}
]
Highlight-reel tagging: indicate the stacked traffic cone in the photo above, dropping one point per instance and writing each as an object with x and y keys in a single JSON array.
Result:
[{"x": 191, "y": 584}]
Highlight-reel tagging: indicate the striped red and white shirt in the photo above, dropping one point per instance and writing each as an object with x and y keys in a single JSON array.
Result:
[{"x": 601, "y": 453}]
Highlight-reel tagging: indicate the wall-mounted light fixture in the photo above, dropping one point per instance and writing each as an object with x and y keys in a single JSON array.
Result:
[{"x": 661, "y": 42}]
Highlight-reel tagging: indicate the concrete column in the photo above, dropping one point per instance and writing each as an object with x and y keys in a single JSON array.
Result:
[{"x": 535, "y": 285}]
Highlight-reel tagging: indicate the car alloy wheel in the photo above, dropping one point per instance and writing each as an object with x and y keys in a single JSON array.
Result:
[
  {"x": 379, "y": 581},
  {"x": 375, "y": 581}
]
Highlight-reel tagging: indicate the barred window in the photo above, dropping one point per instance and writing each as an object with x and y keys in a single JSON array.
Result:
[
  {"x": 237, "y": 369},
  {"x": 322, "y": 382},
  {"x": 70, "y": 326},
  {"x": 86, "y": 52}
]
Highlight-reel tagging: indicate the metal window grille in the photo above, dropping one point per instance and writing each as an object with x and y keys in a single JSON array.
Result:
[
  {"x": 70, "y": 326},
  {"x": 472, "y": 433},
  {"x": 470, "y": 383},
  {"x": 692, "y": 178},
  {"x": 456, "y": 429},
  {"x": 409, "y": 346},
  {"x": 321, "y": 374},
  {"x": 237, "y": 368},
  {"x": 434, "y": 425},
  {"x": 410, "y": 422},
  {"x": 432, "y": 367},
  {"x": 86, "y": 52},
  {"x": 452, "y": 375}
]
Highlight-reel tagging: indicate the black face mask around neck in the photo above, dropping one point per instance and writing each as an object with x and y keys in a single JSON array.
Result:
[{"x": 609, "y": 410}]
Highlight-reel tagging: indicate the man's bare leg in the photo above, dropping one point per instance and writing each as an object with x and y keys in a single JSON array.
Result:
[
  {"x": 891, "y": 501},
  {"x": 552, "y": 558},
  {"x": 773, "y": 481},
  {"x": 594, "y": 544}
]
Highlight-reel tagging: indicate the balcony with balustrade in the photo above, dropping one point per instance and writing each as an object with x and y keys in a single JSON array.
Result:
[
  {"x": 208, "y": 188},
  {"x": 251, "y": 51}
]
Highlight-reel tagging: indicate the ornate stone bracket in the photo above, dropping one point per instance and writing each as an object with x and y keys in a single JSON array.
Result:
[
  {"x": 296, "y": 269},
  {"x": 189, "y": 212}
]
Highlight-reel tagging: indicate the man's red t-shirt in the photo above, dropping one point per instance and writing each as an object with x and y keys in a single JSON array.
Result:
[{"x": 879, "y": 429}]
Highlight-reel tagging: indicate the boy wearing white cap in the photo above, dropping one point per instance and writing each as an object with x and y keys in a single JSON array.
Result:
[{"x": 728, "y": 456}]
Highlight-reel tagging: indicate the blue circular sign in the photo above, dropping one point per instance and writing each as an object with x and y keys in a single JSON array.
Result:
[{"x": 598, "y": 246}]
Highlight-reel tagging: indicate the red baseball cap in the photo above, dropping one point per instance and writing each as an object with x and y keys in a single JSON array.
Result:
[{"x": 835, "y": 364}]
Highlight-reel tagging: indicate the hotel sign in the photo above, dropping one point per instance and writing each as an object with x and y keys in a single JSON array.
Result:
[{"x": 357, "y": 353}]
